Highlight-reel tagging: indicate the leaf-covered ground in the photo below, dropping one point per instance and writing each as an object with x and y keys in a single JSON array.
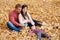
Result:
[{"x": 44, "y": 10}]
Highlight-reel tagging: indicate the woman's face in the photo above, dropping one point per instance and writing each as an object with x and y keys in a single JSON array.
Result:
[{"x": 24, "y": 10}]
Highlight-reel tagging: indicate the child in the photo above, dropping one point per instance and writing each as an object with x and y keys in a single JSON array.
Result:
[{"x": 39, "y": 32}]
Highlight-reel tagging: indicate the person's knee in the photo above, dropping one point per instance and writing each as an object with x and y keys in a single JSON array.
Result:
[
  {"x": 8, "y": 23},
  {"x": 11, "y": 26}
]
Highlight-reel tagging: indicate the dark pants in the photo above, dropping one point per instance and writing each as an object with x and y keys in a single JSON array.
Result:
[{"x": 37, "y": 23}]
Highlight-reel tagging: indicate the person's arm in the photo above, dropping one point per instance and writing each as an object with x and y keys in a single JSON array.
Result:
[
  {"x": 20, "y": 20},
  {"x": 13, "y": 21},
  {"x": 11, "y": 18},
  {"x": 32, "y": 22}
]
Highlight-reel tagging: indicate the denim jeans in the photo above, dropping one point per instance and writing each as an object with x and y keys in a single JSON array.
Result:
[
  {"x": 11, "y": 26},
  {"x": 40, "y": 34}
]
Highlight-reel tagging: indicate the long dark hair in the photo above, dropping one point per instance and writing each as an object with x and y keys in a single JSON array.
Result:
[{"x": 23, "y": 6}]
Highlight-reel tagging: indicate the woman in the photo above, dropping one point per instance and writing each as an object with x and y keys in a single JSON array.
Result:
[{"x": 26, "y": 20}]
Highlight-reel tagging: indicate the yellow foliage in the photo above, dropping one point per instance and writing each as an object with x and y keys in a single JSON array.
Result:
[{"x": 44, "y": 10}]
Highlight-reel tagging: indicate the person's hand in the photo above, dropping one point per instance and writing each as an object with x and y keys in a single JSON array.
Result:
[
  {"x": 45, "y": 24},
  {"x": 21, "y": 25},
  {"x": 33, "y": 27}
]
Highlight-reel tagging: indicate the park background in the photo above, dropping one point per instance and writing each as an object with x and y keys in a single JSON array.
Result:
[{"x": 47, "y": 11}]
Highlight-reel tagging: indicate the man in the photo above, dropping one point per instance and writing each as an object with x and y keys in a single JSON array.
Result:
[{"x": 13, "y": 22}]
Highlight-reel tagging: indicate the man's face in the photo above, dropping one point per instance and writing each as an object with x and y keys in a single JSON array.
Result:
[{"x": 18, "y": 10}]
